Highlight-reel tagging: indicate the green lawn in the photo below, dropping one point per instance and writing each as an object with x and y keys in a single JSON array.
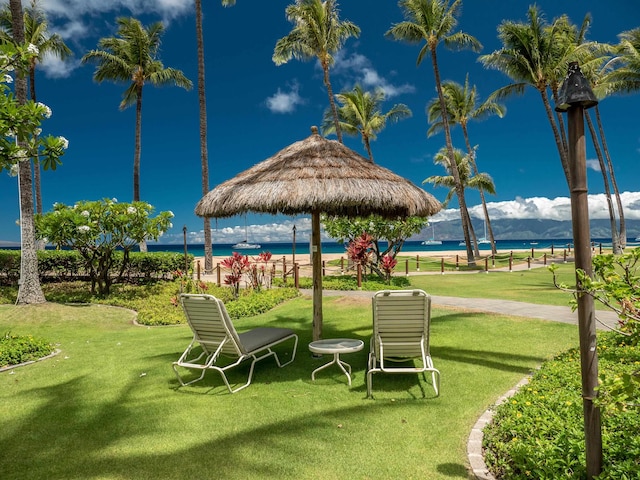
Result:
[{"x": 108, "y": 406}]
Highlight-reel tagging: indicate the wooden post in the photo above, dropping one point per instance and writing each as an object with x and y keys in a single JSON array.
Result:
[
  {"x": 417, "y": 263},
  {"x": 197, "y": 269},
  {"x": 406, "y": 267},
  {"x": 552, "y": 249},
  {"x": 342, "y": 265},
  {"x": 457, "y": 262},
  {"x": 565, "y": 255},
  {"x": 284, "y": 268},
  {"x": 324, "y": 269},
  {"x": 545, "y": 258},
  {"x": 511, "y": 262},
  {"x": 359, "y": 278},
  {"x": 528, "y": 263},
  {"x": 316, "y": 263},
  {"x": 296, "y": 275},
  {"x": 442, "y": 266},
  {"x": 486, "y": 264},
  {"x": 532, "y": 255},
  {"x": 218, "y": 273}
]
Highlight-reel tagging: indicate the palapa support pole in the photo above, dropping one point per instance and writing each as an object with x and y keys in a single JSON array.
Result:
[{"x": 316, "y": 263}]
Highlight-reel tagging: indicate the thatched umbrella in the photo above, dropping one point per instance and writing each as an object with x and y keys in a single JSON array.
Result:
[{"x": 317, "y": 176}]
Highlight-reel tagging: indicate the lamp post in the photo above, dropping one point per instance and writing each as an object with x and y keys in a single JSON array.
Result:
[{"x": 574, "y": 97}]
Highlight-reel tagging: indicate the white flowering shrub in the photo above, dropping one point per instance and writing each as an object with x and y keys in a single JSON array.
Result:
[
  {"x": 97, "y": 229},
  {"x": 20, "y": 132}
]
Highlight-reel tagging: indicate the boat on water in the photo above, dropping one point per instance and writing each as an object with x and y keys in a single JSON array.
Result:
[
  {"x": 432, "y": 240},
  {"x": 244, "y": 245}
]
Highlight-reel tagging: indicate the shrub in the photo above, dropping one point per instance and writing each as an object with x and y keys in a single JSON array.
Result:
[
  {"x": 349, "y": 282},
  {"x": 539, "y": 433},
  {"x": 19, "y": 349}
]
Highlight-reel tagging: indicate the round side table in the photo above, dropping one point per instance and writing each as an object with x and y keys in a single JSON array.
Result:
[{"x": 336, "y": 346}]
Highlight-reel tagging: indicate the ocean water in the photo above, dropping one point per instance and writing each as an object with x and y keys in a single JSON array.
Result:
[{"x": 409, "y": 246}]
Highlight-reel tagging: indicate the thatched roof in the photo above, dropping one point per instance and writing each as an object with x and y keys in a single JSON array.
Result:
[{"x": 318, "y": 175}]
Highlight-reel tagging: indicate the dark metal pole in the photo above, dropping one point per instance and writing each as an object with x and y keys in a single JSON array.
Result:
[
  {"x": 586, "y": 310},
  {"x": 186, "y": 260}
]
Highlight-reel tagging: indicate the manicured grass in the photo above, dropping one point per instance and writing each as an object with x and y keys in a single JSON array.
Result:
[
  {"x": 108, "y": 405},
  {"x": 532, "y": 286}
]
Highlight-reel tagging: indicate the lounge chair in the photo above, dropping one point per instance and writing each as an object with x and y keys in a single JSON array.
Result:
[
  {"x": 214, "y": 332},
  {"x": 401, "y": 321}
]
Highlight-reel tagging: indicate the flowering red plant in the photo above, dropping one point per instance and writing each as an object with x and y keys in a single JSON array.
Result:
[
  {"x": 359, "y": 249},
  {"x": 388, "y": 264},
  {"x": 238, "y": 264}
]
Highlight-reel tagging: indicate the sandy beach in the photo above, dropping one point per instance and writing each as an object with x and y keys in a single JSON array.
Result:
[{"x": 304, "y": 259}]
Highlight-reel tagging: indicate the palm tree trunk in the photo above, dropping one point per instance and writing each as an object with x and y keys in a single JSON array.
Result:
[
  {"x": 204, "y": 156},
  {"x": 485, "y": 210},
  {"x": 29, "y": 290},
  {"x": 136, "y": 158},
  {"x": 615, "y": 241},
  {"x": 36, "y": 163},
  {"x": 564, "y": 154},
  {"x": 464, "y": 214},
  {"x": 367, "y": 145},
  {"x": 137, "y": 148},
  {"x": 623, "y": 227},
  {"x": 332, "y": 103}
]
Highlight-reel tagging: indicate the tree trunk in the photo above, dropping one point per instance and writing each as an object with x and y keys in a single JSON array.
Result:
[
  {"x": 367, "y": 145},
  {"x": 29, "y": 290},
  {"x": 204, "y": 156},
  {"x": 615, "y": 241},
  {"x": 464, "y": 214},
  {"x": 623, "y": 227},
  {"x": 485, "y": 210},
  {"x": 36, "y": 164},
  {"x": 316, "y": 263},
  {"x": 136, "y": 158},
  {"x": 332, "y": 103},
  {"x": 564, "y": 156}
]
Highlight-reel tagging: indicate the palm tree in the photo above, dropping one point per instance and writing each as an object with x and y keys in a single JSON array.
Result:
[
  {"x": 462, "y": 107},
  {"x": 29, "y": 290},
  {"x": 36, "y": 32},
  {"x": 464, "y": 162},
  {"x": 132, "y": 57},
  {"x": 318, "y": 33},
  {"x": 360, "y": 114},
  {"x": 533, "y": 54},
  {"x": 204, "y": 155},
  {"x": 432, "y": 22}
]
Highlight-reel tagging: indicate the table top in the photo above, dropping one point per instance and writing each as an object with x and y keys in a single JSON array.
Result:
[{"x": 336, "y": 345}]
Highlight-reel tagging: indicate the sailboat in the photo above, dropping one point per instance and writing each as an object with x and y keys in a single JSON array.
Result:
[
  {"x": 484, "y": 238},
  {"x": 432, "y": 240},
  {"x": 244, "y": 244}
]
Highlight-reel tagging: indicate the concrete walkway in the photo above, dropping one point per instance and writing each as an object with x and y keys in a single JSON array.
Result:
[{"x": 605, "y": 319}]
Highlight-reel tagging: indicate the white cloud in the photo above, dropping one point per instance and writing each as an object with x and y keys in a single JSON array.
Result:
[
  {"x": 55, "y": 68},
  {"x": 558, "y": 208},
  {"x": 285, "y": 102},
  {"x": 74, "y": 9},
  {"x": 358, "y": 69},
  {"x": 594, "y": 165}
]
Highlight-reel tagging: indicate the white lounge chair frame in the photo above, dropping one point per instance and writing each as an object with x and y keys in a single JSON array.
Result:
[
  {"x": 214, "y": 332},
  {"x": 401, "y": 322}
]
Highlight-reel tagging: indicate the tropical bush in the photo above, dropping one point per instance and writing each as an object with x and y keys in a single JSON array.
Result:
[
  {"x": 19, "y": 349},
  {"x": 538, "y": 433}
]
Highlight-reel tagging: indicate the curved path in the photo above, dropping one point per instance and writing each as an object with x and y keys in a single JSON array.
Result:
[{"x": 605, "y": 320}]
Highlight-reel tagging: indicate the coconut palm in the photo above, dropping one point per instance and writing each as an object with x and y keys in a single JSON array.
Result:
[
  {"x": 204, "y": 155},
  {"x": 36, "y": 30},
  {"x": 132, "y": 57},
  {"x": 360, "y": 114},
  {"x": 318, "y": 33},
  {"x": 433, "y": 22},
  {"x": 532, "y": 55},
  {"x": 29, "y": 290},
  {"x": 464, "y": 162},
  {"x": 462, "y": 106}
]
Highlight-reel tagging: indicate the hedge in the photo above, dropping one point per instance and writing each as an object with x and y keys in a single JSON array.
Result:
[{"x": 64, "y": 265}]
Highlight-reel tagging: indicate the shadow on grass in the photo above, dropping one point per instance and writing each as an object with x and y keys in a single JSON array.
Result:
[{"x": 67, "y": 437}]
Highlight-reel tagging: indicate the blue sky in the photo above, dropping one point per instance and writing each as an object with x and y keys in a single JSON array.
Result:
[{"x": 256, "y": 108}]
